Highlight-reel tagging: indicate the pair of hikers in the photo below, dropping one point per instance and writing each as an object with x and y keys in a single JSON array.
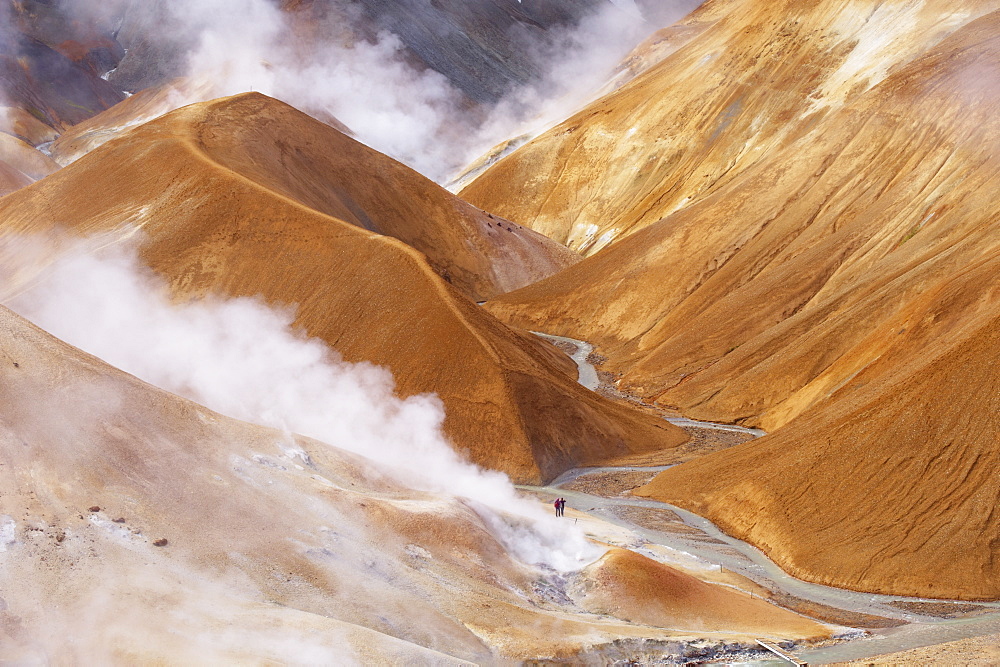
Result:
[{"x": 560, "y": 505}]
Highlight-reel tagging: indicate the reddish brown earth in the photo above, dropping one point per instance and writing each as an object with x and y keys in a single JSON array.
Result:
[
  {"x": 628, "y": 585},
  {"x": 22, "y": 125},
  {"x": 242, "y": 197},
  {"x": 136, "y": 526},
  {"x": 833, "y": 282}
]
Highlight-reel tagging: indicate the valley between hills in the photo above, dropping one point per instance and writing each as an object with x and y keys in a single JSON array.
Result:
[{"x": 311, "y": 309}]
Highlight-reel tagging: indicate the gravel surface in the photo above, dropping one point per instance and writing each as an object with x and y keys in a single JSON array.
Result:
[{"x": 974, "y": 651}]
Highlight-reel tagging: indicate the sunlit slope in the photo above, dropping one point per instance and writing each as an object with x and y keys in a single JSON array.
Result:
[
  {"x": 894, "y": 488},
  {"x": 290, "y": 154},
  {"x": 28, "y": 160},
  {"x": 766, "y": 297},
  {"x": 756, "y": 77},
  {"x": 134, "y": 110},
  {"x": 512, "y": 401},
  {"x": 266, "y": 535},
  {"x": 626, "y": 584},
  {"x": 854, "y": 310},
  {"x": 137, "y": 526}
]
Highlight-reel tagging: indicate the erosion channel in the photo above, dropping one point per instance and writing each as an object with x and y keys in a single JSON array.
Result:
[{"x": 881, "y": 623}]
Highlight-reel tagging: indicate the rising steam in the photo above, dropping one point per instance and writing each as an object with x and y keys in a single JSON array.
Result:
[
  {"x": 366, "y": 82},
  {"x": 243, "y": 359}
]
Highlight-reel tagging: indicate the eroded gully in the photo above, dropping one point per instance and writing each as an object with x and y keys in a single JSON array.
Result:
[{"x": 684, "y": 538}]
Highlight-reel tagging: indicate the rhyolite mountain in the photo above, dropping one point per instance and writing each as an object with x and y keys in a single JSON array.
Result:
[
  {"x": 251, "y": 197},
  {"x": 790, "y": 221}
]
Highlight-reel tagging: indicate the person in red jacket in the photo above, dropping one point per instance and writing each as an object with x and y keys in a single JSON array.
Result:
[{"x": 560, "y": 505}]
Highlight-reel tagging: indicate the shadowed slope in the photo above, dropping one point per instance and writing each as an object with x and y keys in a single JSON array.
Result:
[
  {"x": 512, "y": 401},
  {"x": 51, "y": 65}
]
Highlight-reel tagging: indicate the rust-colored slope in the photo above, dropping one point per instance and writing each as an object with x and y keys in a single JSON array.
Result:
[
  {"x": 11, "y": 179},
  {"x": 852, "y": 297},
  {"x": 133, "y": 111},
  {"x": 894, "y": 489},
  {"x": 628, "y": 585},
  {"x": 328, "y": 171},
  {"x": 334, "y": 174},
  {"x": 139, "y": 527},
  {"x": 762, "y": 299},
  {"x": 21, "y": 124},
  {"x": 31, "y": 162},
  {"x": 762, "y": 75},
  {"x": 512, "y": 401}
]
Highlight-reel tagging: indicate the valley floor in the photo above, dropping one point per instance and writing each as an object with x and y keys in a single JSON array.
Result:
[{"x": 600, "y": 500}]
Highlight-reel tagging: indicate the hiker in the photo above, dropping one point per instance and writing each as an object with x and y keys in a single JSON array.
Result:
[{"x": 558, "y": 505}]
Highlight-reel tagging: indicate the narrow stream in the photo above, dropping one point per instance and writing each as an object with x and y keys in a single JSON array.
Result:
[
  {"x": 588, "y": 378},
  {"x": 701, "y": 539}
]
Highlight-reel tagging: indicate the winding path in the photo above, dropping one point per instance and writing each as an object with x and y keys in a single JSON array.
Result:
[{"x": 692, "y": 536}]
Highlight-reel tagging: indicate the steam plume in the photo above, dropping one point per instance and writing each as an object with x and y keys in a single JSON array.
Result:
[
  {"x": 365, "y": 81},
  {"x": 243, "y": 359}
]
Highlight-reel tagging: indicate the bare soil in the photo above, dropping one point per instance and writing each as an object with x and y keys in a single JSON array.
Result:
[
  {"x": 973, "y": 651},
  {"x": 940, "y": 609},
  {"x": 610, "y": 484}
]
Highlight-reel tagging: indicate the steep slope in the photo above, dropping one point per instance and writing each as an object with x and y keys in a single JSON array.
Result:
[
  {"x": 22, "y": 125},
  {"x": 11, "y": 179},
  {"x": 748, "y": 304},
  {"x": 328, "y": 171},
  {"x": 136, "y": 526},
  {"x": 757, "y": 76},
  {"x": 31, "y": 162},
  {"x": 149, "y": 104},
  {"x": 841, "y": 292},
  {"x": 893, "y": 489},
  {"x": 231, "y": 226}
]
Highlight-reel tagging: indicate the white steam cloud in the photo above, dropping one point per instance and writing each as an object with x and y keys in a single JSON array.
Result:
[
  {"x": 411, "y": 114},
  {"x": 242, "y": 359}
]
